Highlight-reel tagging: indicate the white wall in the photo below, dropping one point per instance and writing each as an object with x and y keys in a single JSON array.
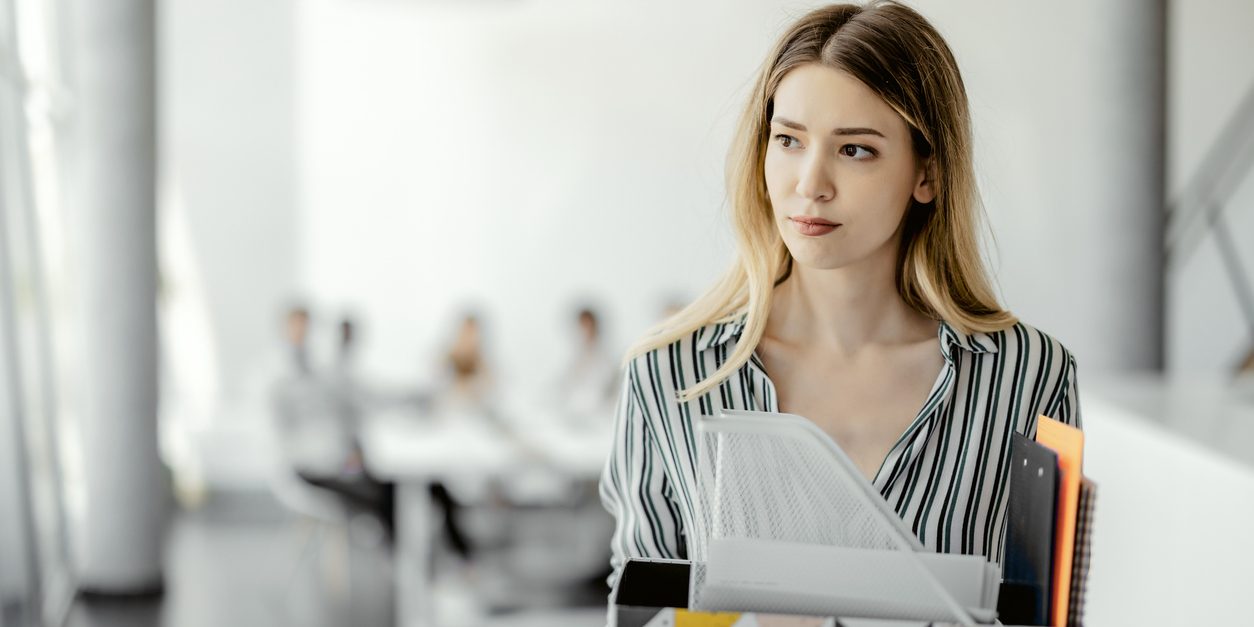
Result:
[
  {"x": 1210, "y": 73},
  {"x": 1054, "y": 90},
  {"x": 226, "y": 76}
]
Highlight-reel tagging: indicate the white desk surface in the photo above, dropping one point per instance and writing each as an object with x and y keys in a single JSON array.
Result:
[
  {"x": 1171, "y": 542},
  {"x": 404, "y": 446}
]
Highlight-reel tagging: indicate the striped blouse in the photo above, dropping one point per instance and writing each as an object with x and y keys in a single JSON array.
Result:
[{"x": 946, "y": 475}]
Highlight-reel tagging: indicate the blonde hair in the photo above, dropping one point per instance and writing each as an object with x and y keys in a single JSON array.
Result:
[{"x": 899, "y": 55}]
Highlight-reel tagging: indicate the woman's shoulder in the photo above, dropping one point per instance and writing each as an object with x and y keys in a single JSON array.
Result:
[
  {"x": 1031, "y": 370},
  {"x": 1023, "y": 353},
  {"x": 688, "y": 358},
  {"x": 1023, "y": 341}
]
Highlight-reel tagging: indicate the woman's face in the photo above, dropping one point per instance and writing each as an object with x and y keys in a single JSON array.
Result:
[{"x": 840, "y": 170}]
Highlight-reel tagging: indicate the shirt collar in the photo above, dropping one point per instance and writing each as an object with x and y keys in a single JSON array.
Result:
[
  {"x": 719, "y": 333},
  {"x": 974, "y": 342}
]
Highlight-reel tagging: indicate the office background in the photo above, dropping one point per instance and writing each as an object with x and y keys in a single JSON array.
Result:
[{"x": 400, "y": 161}]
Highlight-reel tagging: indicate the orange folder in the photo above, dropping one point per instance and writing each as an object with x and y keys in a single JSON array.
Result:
[{"x": 1068, "y": 443}]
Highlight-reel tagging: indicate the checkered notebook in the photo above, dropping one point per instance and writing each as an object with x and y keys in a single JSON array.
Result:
[{"x": 1080, "y": 561}]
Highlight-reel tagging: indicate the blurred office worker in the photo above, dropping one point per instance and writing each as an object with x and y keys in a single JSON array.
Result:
[{"x": 585, "y": 390}]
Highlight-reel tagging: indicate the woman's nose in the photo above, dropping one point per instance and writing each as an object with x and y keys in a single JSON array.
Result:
[{"x": 814, "y": 182}]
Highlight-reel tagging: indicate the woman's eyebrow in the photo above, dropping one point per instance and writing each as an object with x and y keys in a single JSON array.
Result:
[{"x": 840, "y": 131}]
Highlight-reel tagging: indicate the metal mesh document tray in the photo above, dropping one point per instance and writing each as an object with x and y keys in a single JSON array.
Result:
[{"x": 788, "y": 524}]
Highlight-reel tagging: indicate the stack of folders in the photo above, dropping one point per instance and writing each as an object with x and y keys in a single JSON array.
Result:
[
  {"x": 1050, "y": 516},
  {"x": 772, "y": 550}
]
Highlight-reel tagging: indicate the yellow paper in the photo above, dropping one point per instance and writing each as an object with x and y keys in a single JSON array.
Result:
[{"x": 684, "y": 618}]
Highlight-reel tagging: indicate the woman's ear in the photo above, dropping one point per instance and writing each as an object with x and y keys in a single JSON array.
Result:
[{"x": 925, "y": 182}]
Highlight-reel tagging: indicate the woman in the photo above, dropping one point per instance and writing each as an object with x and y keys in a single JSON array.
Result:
[
  {"x": 470, "y": 381},
  {"x": 859, "y": 299}
]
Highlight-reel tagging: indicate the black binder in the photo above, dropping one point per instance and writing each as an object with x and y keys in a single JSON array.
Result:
[
  {"x": 646, "y": 587},
  {"x": 1027, "y": 565}
]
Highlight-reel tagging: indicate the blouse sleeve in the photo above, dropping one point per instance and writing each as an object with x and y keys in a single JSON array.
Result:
[
  {"x": 634, "y": 488},
  {"x": 1066, "y": 407}
]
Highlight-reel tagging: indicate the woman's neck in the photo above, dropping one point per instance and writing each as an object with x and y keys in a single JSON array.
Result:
[{"x": 846, "y": 310}]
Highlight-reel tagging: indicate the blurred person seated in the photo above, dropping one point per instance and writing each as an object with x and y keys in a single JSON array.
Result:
[
  {"x": 468, "y": 386},
  {"x": 465, "y": 391},
  {"x": 317, "y": 418},
  {"x": 586, "y": 390},
  {"x": 345, "y": 385}
]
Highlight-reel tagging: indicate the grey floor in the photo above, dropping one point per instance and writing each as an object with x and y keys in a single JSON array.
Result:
[{"x": 242, "y": 561}]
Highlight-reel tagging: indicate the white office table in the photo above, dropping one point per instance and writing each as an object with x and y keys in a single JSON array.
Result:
[{"x": 412, "y": 452}]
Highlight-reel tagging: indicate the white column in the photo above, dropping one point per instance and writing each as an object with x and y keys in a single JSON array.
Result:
[
  {"x": 114, "y": 215},
  {"x": 1123, "y": 299}
]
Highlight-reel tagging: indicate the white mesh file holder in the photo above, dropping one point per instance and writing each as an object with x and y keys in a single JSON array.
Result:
[{"x": 776, "y": 486}]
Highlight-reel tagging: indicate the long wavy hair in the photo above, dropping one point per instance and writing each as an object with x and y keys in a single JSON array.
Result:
[{"x": 901, "y": 57}]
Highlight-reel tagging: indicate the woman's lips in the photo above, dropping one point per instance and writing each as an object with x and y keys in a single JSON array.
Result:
[{"x": 813, "y": 226}]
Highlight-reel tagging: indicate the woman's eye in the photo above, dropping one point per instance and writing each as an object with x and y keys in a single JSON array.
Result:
[
  {"x": 787, "y": 141},
  {"x": 852, "y": 150}
]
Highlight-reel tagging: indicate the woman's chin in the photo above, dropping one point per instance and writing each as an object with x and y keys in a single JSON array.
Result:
[{"x": 812, "y": 260}]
